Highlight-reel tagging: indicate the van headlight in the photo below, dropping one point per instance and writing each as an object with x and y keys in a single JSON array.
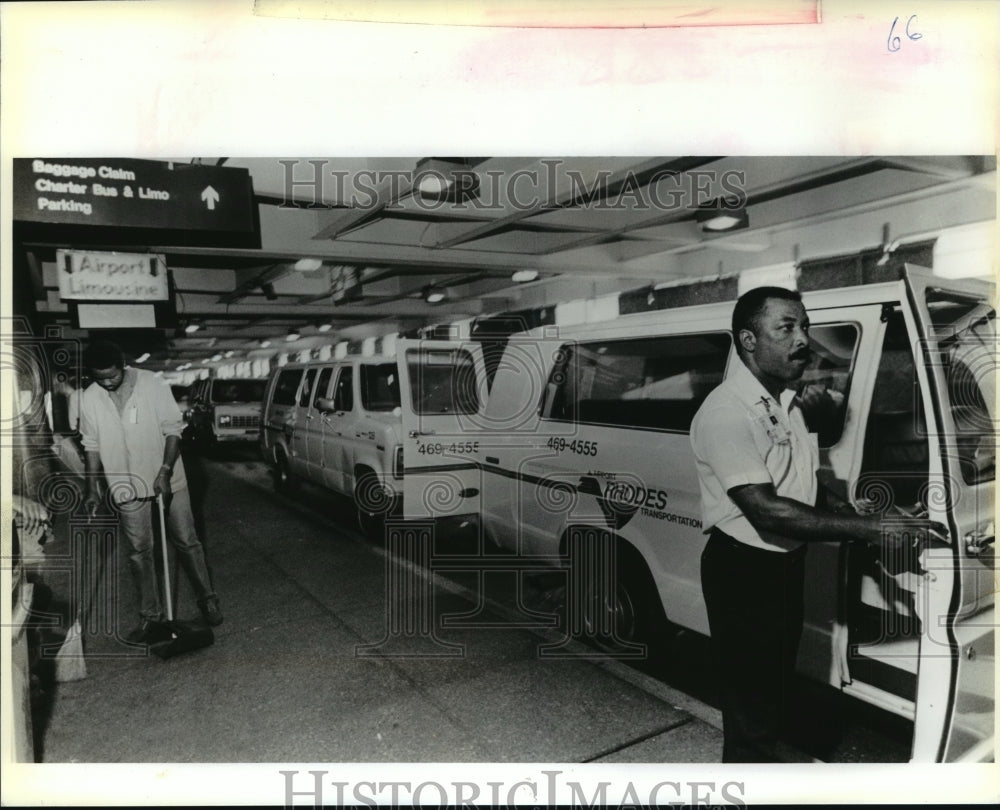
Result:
[{"x": 225, "y": 419}]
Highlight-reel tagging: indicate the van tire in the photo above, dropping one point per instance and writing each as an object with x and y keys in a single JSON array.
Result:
[
  {"x": 284, "y": 479},
  {"x": 635, "y": 611},
  {"x": 372, "y": 506}
]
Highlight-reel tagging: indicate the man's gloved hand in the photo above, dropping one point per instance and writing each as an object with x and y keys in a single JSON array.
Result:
[{"x": 903, "y": 541}]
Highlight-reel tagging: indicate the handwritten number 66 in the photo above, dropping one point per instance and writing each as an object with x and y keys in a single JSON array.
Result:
[{"x": 893, "y": 42}]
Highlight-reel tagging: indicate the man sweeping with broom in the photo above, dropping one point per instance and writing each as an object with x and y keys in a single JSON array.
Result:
[{"x": 131, "y": 426}]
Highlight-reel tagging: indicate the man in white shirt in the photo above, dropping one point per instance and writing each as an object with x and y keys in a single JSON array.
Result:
[
  {"x": 130, "y": 425},
  {"x": 757, "y": 465}
]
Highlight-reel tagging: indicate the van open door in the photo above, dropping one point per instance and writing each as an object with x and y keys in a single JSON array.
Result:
[
  {"x": 443, "y": 392},
  {"x": 955, "y": 322}
]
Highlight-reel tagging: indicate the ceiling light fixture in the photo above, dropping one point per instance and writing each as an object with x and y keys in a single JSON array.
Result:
[
  {"x": 446, "y": 179},
  {"x": 142, "y": 358},
  {"x": 292, "y": 336},
  {"x": 434, "y": 295},
  {"x": 265, "y": 343},
  {"x": 325, "y": 327},
  {"x": 306, "y": 265},
  {"x": 216, "y": 358},
  {"x": 192, "y": 326},
  {"x": 229, "y": 354},
  {"x": 718, "y": 216},
  {"x": 524, "y": 276}
]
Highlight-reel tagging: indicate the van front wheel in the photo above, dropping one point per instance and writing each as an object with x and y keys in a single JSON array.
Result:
[
  {"x": 284, "y": 479},
  {"x": 612, "y": 601},
  {"x": 373, "y": 503}
]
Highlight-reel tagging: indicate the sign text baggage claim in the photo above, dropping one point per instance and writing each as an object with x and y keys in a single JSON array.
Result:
[{"x": 47, "y": 186}]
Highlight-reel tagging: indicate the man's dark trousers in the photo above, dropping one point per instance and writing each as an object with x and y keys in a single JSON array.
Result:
[{"x": 754, "y": 601}]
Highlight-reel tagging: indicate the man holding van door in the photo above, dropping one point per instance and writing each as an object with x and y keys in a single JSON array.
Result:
[{"x": 757, "y": 466}]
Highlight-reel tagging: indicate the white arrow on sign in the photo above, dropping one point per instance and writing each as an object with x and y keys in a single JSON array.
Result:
[{"x": 210, "y": 196}]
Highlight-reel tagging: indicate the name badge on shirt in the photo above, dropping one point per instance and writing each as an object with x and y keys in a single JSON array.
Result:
[{"x": 769, "y": 423}]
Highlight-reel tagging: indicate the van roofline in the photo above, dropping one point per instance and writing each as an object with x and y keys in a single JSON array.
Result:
[
  {"x": 875, "y": 292},
  {"x": 362, "y": 358}
]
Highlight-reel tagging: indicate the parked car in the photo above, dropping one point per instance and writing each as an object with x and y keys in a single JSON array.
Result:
[{"x": 225, "y": 410}]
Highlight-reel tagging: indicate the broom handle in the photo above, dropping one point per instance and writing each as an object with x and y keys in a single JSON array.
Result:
[{"x": 166, "y": 559}]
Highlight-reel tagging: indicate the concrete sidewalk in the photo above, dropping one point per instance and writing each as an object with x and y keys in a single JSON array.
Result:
[{"x": 307, "y": 668}]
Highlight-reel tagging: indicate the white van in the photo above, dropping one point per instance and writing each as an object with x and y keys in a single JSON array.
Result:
[
  {"x": 584, "y": 437},
  {"x": 337, "y": 424}
]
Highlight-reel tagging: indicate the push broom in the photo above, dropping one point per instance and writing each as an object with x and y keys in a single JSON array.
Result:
[{"x": 179, "y": 637}]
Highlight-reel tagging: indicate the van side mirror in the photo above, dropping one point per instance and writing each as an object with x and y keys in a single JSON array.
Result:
[{"x": 325, "y": 405}]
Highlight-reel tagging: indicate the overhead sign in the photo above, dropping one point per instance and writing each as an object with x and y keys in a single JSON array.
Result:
[
  {"x": 127, "y": 193},
  {"x": 90, "y": 276}
]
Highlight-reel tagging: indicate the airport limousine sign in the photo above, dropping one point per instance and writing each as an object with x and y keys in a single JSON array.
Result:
[
  {"x": 122, "y": 192},
  {"x": 94, "y": 276}
]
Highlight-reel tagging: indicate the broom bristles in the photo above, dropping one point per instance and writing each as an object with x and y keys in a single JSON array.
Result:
[{"x": 69, "y": 662}]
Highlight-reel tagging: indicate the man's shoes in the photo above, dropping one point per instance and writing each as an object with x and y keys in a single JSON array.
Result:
[
  {"x": 149, "y": 631},
  {"x": 210, "y": 611}
]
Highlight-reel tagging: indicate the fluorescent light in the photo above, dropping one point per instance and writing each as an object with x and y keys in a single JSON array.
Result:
[
  {"x": 194, "y": 326},
  {"x": 434, "y": 297},
  {"x": 230, "y": 353},
  {"x": 142, "y": 358},
  {"x": 325, "y": 327},
  {"x": 265, "y": 343},
  {"x": 292, "y": 336},
  {"x": 216, "y": 357},
  {"x": 306, "y": 265},
  {"x": 523, "y": 276}
]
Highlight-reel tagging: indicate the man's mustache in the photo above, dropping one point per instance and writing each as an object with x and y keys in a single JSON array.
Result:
[{"x": 801, "y": 354}]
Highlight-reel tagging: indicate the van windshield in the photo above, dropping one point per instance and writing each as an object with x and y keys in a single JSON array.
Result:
[
  {"x": 965, "y": 330},
  {"x": 238, "y": 390}
]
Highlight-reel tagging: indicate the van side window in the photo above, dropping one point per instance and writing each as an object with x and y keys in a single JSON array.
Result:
[
  {"x": 323, "y": 384},
  {"x": 654, "y": 383},
  {"x": 442, "y": 381},
  {"x": 287, "y": 385},
  {"x": 896, "y": 459},
  {"x": 965, "y": 329},
  {"x": 833, "y": 347},
  {"x": 343, "y": 398},
  {"x": 306, "y": 393}
]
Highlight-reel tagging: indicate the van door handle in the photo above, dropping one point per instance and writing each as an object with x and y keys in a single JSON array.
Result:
[
  {"x": 492, "y": 460},
  {"x": 977, "y": 542},
  {"x": 415, "y": 433}
]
